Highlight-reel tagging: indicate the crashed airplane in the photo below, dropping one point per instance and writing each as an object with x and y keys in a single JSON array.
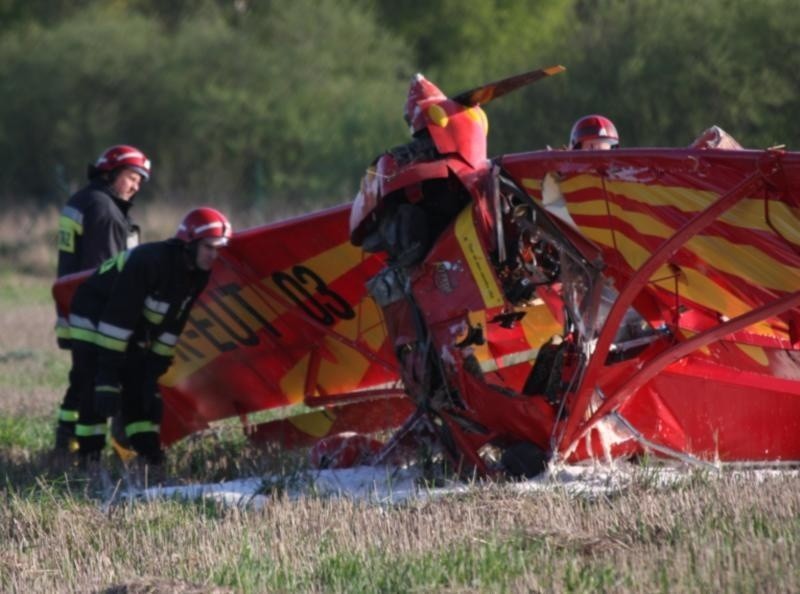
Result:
[{"x": 509, "y": 311}]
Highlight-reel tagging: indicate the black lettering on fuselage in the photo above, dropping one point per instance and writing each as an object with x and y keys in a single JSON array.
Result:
[
  {"x": 232, "y": 318},
  {"x": 205, "y": 327},
  {"x": 185, "y": 351},
  {"x": 233, "y": 290},
  {"x": 325, "y": 312}
]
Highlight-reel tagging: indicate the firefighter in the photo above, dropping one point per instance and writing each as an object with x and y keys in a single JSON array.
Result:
[
  {"x": 593, "y": 132},
  {"x": 125, "y": 320},
  {"x": 93, "y": 226}
]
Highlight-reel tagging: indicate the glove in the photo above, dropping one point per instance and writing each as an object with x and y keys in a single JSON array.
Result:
[{"x": 106, "y": 400}]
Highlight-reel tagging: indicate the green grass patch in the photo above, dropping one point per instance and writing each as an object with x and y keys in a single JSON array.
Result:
[
  {"x": 22, "y": 289},
  {"x": 476, "y": 566},
  {"x": 25, "y": 370},
  {"x": 29, "y": 433}
]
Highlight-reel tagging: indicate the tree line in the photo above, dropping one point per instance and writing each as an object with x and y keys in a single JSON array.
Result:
[{"x": 281, "y": 104}]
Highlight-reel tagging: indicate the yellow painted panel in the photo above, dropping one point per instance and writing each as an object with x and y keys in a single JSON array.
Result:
[
  {"x": 642, "y": 222},
  {"x": 692, "y": 284},
  {"x": 689, "y": 334},
  {"x": 294, "y": 382},
  {"x": 746, "y": 262},
  {"x": 438, "y": 115},
  {"x": 748, "y": 213},
  {"x": 699, "y": 288},
  {"x": 478, "y": 263},
  {"x": 685, "y": 199},
  {"x": 532, "y": 184},
  {"x": 580, "y": 182},
  {"x": 598, "y": 235},
  {"x": 756, "y": 353},
  {"x": 316, "y": 423},
  {"x": 346, "y": 370},
  {"x": 370, "y": 323},
  {"x": 333, "y": 263},
  {"x": 539, "y": 325}
]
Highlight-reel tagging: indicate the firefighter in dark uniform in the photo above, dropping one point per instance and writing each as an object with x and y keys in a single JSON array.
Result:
[
  {"x": 95, "y": 225},
  {"x": 124, "y": 324}
]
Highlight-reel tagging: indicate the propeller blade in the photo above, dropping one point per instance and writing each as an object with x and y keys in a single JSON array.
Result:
[{"x": 485, "y": 93}]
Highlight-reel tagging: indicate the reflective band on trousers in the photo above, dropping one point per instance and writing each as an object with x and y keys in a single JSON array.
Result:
[
  {"x": 112, "y": 344},
  {"x": 83, "y": 335},
  {"x": 108, "y": 389},
  {"x": 156, "y": 306},
  {"x": 69, "y": 416},
  {"x": 114, "y": 331},
  {"x": 168, "y": 338},
  {"x": 163, "y": 350},
  {"x": 141, "y": 427},
  {"x": 153, "y": 318},
  {"x": 81, "y": 322},
  {"x": 90, "y": 430}
]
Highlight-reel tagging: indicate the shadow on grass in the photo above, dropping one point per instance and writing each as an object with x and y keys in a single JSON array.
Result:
[
  {"x": 209, "y": 457},
  {"x": 22, "y": 472}
]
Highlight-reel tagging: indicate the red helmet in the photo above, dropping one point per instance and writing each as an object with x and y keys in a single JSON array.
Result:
[
  {"x": 123, "y": 155},
  {"x": 421, "y": 94},
  {"x": 203, "y": 222},
  {"x": 593, "y": 127}
]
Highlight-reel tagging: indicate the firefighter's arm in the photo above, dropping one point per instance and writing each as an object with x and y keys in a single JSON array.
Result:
[
  {"x": 164, "y": 344},
  {"x": 162, "y": 352},
  {"x": 117, "y": 324},
  {"x": 103, "y": 236}
]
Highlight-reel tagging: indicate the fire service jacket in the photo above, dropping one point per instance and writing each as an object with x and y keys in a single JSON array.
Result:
[
  {"x": 140, "y": 299},
  {"x": 94, "y": 226}
]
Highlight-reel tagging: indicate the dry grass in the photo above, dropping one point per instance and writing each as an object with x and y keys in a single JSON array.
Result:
[
  {"x": 721, "y": 535},
  {"x": 710, "y": 534}
]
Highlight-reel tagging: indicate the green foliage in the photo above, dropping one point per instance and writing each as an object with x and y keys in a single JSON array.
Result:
[
  {"x": 291, "y": 101},
  {"x": 68, "y": 88},
  {"x": 664, "y": 71},
  {"x": 280, "y": 105},
  {"x": 460, "y": 47}
]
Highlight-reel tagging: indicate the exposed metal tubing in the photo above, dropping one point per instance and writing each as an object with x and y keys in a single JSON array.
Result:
[
  {"x": 687, "y": 458},
  {"x": 662, "y": 360},
  {"x": 634, "y": 287}
]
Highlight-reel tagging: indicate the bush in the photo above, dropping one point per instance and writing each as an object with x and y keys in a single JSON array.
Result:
[{"x": 292, "y": 101}]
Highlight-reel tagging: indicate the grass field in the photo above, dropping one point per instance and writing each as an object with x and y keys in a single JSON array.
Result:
[{"x": 707, "y": 534}]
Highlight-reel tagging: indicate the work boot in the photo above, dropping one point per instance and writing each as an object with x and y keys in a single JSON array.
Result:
[
  {"x": 64, "y": 456},
  {"x": 66, "y": 441}
]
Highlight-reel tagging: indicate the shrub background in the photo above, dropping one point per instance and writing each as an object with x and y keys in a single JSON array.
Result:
[{"x": 276, "y": 105}]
